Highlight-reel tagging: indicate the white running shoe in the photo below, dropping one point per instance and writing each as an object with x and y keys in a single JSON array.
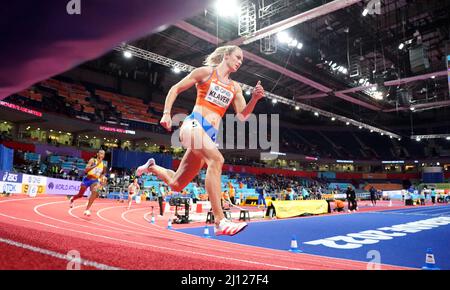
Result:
[
  {"x": 144, "y": 168},
  {"x": 87, "y": 212},
  {"x": 228, "y": 228}
]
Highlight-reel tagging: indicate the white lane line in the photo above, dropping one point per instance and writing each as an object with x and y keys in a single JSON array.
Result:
[
  {"x": 58, "y": 255},
  {"x": 114, "y": 229},
  {"x": 418, "y": 209},
  {"x": 166, "y": 249},
  {"x": 400, "y": 213},
  {"x": 176, "y": 250}
]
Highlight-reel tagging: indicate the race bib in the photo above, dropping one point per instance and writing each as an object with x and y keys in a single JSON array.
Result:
[
  {"x": 219, "y": 95},
  {"x": 97, "y": 171}
]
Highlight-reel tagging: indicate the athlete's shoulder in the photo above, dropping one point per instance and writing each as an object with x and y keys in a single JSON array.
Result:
[
  {"x": 201, "y": 74},
  {"x": 204, "y": 69}
]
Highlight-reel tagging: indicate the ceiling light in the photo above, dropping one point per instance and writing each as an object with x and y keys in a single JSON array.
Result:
[
  {"x": 297, "y": 108},
  {"x": 274, "y": 101},
  {"x": 176, "y": 70},
  {"x": 293, "y": 42},
  {"x": 127, "y": 54},
  {"x": 226, "y": 8},
  {"x": 401, "y": 46},
  {"x": 377, "y": 95},
  {"x": 316, "y": 114},
  {"x": 299, "y": 45},
  {"x": 365, "y": 12},
  {"x": 283, "y": 37}
]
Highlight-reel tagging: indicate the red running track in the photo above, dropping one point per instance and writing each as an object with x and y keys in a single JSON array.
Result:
[{"x": 38, "y": 233}]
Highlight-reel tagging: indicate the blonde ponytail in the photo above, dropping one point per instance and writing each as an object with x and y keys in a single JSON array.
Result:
[{"x": 215, "y": 58}]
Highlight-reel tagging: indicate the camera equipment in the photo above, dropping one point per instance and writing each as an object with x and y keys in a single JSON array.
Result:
[{"x": 180, "y": 201}]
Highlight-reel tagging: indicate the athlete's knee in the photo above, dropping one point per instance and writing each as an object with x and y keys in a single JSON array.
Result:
[
  {"x": 82, "y": 191},
  {"x": 216, "y": 162},
  {"x": 176, "y": 186}
]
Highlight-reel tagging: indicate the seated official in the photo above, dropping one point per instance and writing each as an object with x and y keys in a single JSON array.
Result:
[{"x": 339, "y": 205}]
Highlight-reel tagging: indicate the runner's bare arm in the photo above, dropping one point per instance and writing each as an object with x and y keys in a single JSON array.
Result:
[{"x": 242, "y": 109}]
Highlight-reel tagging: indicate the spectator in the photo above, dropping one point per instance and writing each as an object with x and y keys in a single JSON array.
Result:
[
  {"x": 291, "y": 193},
  {"x": 225, "y": 199},
  {"x": 339, "y": 205},
  {"x": 351, "y": 199},
  {"x": 433, "y": 196},
  {"x": 195, "y": 195},
  {"x": 373, "y": 196},
  {"x": 232, "y": 194},
  {"x": 161, "y": 196},
  {"x": 261, "y": 199},
  {"x": 422, "y": 198},
  {"x": 319, "y": 192},
  {"x": 305, "y": 193}
]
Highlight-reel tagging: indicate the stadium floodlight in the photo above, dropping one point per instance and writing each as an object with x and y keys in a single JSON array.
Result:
[
  {"x": 127, "y": 54},
  {"x": 227, "y": 8},
  {"x": 293, "y": 42},
  {"x": 283, "y": 37}
]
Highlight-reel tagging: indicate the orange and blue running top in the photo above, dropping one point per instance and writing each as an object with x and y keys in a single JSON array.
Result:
[{"x": 215, "y": 95}]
